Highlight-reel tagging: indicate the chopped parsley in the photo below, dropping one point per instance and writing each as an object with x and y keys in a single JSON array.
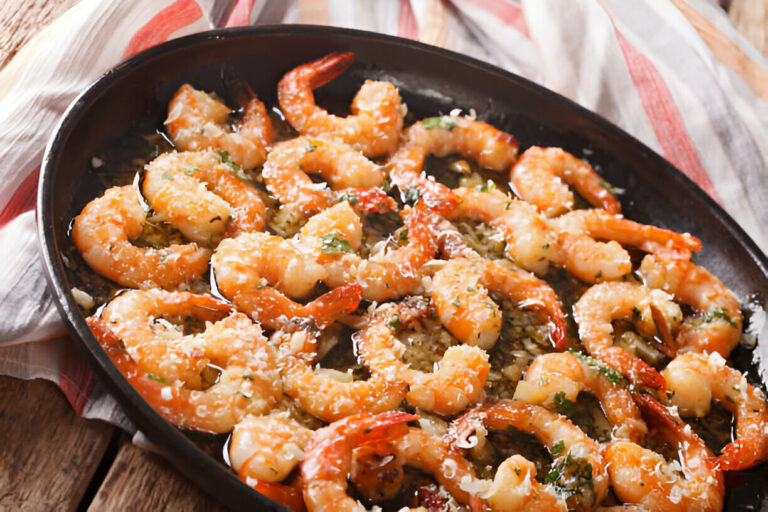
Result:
[
  {"x": 330, "y": 243},
  {"x": 612, "y": 375},
  {"x": 189, "y": 171},
  {"x": 412, "y": 196},
  {"x": 577, "y": 473},
  {"x": 721, "y": 314},
  {"x": 248, "y": 376},
  {"x": 610, "y": 188},
  {"x": 444, "y": 122},
  {"x": 403, "y": 235},
  {"x": 635, "y": 315},
  {"x": 349, "y": 197},
  {"x": 470, "y": 289},
  {"x": 563, "y": 405},
  {"x": 158, "y": 379},
  {"x": 167, "y": 176},
  {"x": 233, "y": 167},
  {"x": 545, "y": 246},
  {"x": 394, "y": 322},
  {"x": 456, "y": 302},
  {"x": 557, "y": 448},
  {"x": 517, "y": 471},
  {"x": 485, "y": 187},
  {"x": 310, "y": 148},
  {"x": 599, "y": 274},
  {"x": 240, "y": 393}
]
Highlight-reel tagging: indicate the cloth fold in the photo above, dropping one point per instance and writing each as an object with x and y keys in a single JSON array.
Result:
[{"x": 676, "y": 75}]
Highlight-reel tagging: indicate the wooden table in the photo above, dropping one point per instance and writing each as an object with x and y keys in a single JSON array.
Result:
[{"x": 50, "y": 459}]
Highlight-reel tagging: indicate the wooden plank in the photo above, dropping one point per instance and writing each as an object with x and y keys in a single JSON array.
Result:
[
  {"x": 48, "y": 455},
  {"x": 139, "y": 480},
  {"x": 22, "y": 19}
]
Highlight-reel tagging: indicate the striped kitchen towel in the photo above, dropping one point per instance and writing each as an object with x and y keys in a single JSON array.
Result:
[{"x": 677, "y": 75}]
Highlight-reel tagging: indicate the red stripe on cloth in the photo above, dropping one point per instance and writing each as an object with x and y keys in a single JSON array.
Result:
[
  {"x": 22, "y": 200},
  {"x": 76, "y": 378},
  {"x": 157, "y": 30},
  {"x": 240, "y": 14},
  {"x": 406, "y": 23},
  {"x": 664, "y": 116},
  {"x": 506, "y": 11}
]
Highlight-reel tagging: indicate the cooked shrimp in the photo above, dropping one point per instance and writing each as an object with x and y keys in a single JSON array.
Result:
[
  {"x": 697, "y": 379},
  {"x": 458, "y": 381},
  {"x": 285, "y": 172},
  {"x": 103, "y": 232},
  {"x": 329, "y": 459},
  {"x": 460, "y": 295},
  {"x": 196, "y": 120},
  {"x": 603, "y": 225},
  {"x": 641, "y": 476},
  {"x": 566, "y": 374},
  {"x": 605, "y": 302},
  {"x": 331, "y": 397},
  {"x": 258, "y": 272},
  {"x": 441, "y": 136},
  {"x": 533, "y": 244},
  {"x": 198, "y": 194},
  {"x": 335, "y": 234},
  {"x": 538, "y": 177},
  {"x": 267, "y": 448},
  {"x": 718, "y": 325},
  {"x": 578, "y": 475},
  {"x": 377, "y": 112},
  {"x": 249, "y": 382}
]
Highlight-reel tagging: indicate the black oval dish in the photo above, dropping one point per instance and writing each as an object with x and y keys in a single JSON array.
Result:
[{"x": 431, "y": 80}]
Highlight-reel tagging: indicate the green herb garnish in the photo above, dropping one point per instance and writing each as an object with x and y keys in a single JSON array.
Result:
[
  {"x": 331, "y": 243},
  {"x": 444, "y": 122}
]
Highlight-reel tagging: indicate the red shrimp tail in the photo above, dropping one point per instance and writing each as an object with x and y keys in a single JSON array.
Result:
[
  {"x": 287, "y": 496},
  {"x": 325, "y": 69},
  {"x": 558, "y": 336},
  {"x": 336, "y": 304},
  {"x": 367, "y": 200},
  {"x": 632, "y": 367},
  {"x": 657, "y": 414},
  {"x": 742, "y": 454},
  {"x": 438, "y": 198},
  {"x": 380, "y": 426}
]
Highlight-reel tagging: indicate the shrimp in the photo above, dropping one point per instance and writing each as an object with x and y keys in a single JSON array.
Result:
[
  {"x": 377, "y": 111},
  {"x": 441, "y": 136},
  {"x": 460, "y": 295},
  {"x": 458, "y": 381},
  {"x": 697, "y": 379},
  {"x": 249, "y": 382},
  {"x": 327, "y": 397},
  {"x": 198, "y": 193},
  {"x": 606, "y": 302},
  {"x": 340, "y": 165},
  {"x": 103, "y": 232},
  {"x": 601, "y": 224},
  {"x": 562, "y": 376},
  {"x": 537, "y": 174},
  {"x": 256, "y": 271},
  {"x": 718, "y": 327},
  {"x": 641, "y": 476},
  {"x": 196, "y": 120},
  {"x": 335, "y": 234},
  {"x": 578, "y": 475},
  {"x": 267, "y": 448},
  {"x": 329, "y": 458}
]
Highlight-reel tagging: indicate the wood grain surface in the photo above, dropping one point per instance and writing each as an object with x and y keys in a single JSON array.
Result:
[
  {"x": 48, "y": 455},
  {"x": 49, "y": 458}
]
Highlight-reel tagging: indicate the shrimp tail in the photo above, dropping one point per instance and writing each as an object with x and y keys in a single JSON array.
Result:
[
  {"x": 380, "y": 427},
  {"x": 288, "y": 496},
  {"x": 743, "y": 454},
  {"x": 327, "y": 68},
  {"x": 368, "y": 200},
  {"x": 558, "y": 336},
  {"x": 632, "y": 367},
  {"x": 335, "y": 304}
]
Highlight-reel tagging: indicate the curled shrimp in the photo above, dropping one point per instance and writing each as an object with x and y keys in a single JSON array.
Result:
[
  {"x": 103, "y": 232},
  {"x": 452, "y": 387},
  {"x": 697, "y": 379},
  {"x": 538, "y": 177},
  {"x": 603, "y": 225},
  {"x": 441, "y": 136},
  {"x": 326, "y": 397},
  {"x": 329, "y": 458},
  {"x": 578, "y": 471},
  {"x": 335, "y": 234},
  {"x": 267, "y": 448},
  {"x": 249, "y": 382},
  {"x": 460, "y": 295},
  {"x": 256, "y": 271},
  {"x": 718, "y": 326},
  {"x": 199, "y": 194},
  {"x": 285, "y": 173},
  {"x": 377, "y": 112},
  {"x": 603, "y": 303},
  {"x": 196, "y": 120},
  {"x": 641, "y": 476},
  {"x": 564, "y": 375}
]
